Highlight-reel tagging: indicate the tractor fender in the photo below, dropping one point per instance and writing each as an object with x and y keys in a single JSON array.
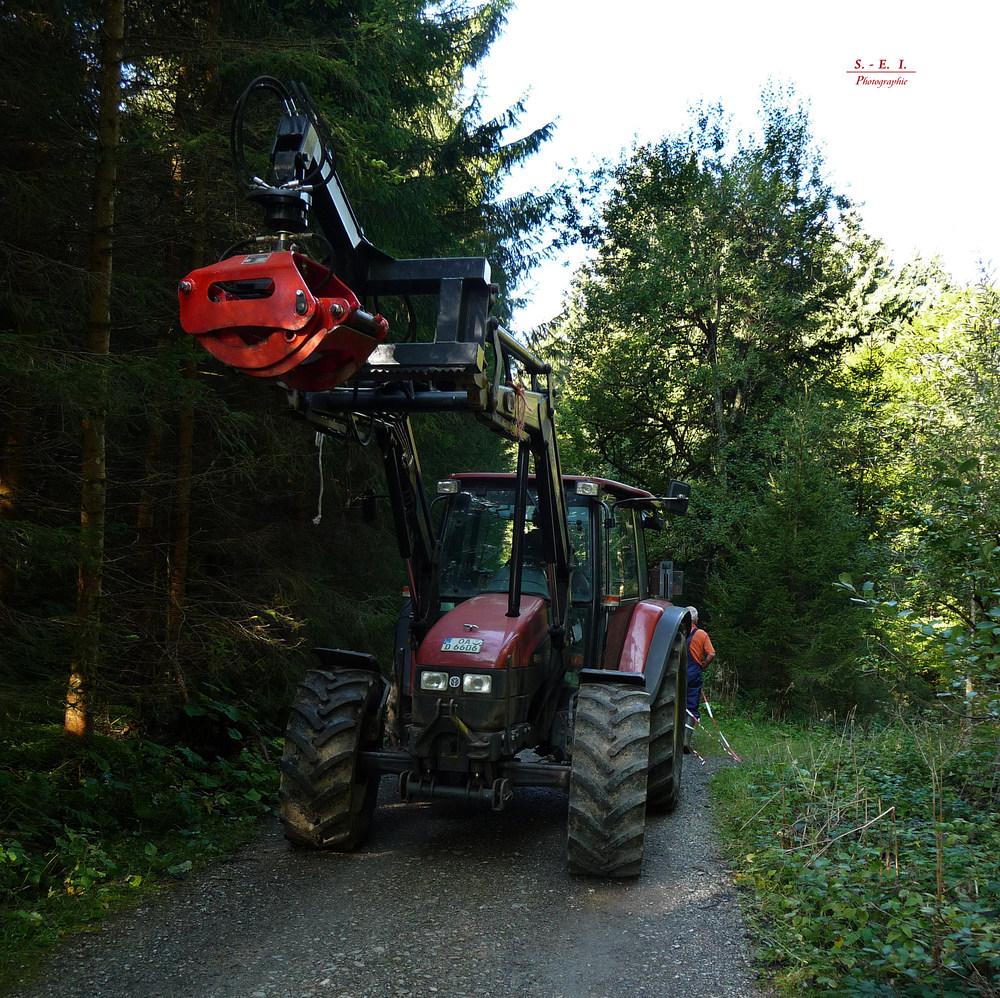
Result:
[
  {"x": 611, "y": 676},
  {"x": 340, "y": 661},
  {"x": 652, "y": 631},
  {"x": 340, "y": 658}
]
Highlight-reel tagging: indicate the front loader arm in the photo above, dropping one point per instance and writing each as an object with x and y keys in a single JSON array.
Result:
[{"x": 273, "y": 310}]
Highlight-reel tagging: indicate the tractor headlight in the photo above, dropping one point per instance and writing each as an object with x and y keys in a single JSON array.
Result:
[
  {"x": 434, "y": 680},
  {"x": 477, "y": 683}
]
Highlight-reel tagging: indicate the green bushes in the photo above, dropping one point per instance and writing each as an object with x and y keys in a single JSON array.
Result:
[
  {"x": 871, "y": 858},
  {"x": 87, "y": 827}
]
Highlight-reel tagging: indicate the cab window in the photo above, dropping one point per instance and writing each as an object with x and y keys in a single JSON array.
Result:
[{"x": 623, "y": 557}]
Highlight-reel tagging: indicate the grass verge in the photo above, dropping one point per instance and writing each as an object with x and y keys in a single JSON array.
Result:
[{"x": 867, "y": 856}]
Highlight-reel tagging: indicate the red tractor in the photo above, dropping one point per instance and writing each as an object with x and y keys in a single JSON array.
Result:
[{"x": 531, "y": 651}]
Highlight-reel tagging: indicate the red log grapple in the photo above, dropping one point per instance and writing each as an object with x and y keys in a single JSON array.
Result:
[{"x": 280, "y": 315}]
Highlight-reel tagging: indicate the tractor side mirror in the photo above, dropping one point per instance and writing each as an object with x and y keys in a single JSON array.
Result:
[{"x": 677, "y": 498}]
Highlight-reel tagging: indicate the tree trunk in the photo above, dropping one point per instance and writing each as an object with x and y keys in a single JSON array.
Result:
[
  {"x": 93, "y": 503},
  {"x": 186, "y": 422},
  {"x": 718, "y": 410},
  {"x": 182, "y": 534},
  {"x": 144, "y": 513},
  {"x": 13, "y": 448}
]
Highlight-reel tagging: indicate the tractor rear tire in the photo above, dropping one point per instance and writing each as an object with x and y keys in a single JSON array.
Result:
[
  {"x": 326, "y": 800},
  {"x": 666, "y": 735},
  {"x": 607, "y": 790}
]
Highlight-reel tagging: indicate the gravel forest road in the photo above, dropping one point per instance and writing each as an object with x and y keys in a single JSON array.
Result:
[{"x": 444, "y": 901}]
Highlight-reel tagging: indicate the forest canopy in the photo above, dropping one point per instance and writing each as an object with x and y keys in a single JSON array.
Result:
[
  {"x": 156, "y": 511},
  {"x": 736, "y": 326}
]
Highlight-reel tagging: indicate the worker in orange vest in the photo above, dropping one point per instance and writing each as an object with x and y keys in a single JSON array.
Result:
[{"x": 701, "y": 654}]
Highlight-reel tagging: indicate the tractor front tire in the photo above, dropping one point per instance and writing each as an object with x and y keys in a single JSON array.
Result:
[
  {"x": 666, "y": 735},
  {"x": 326, "y": 801},
  {"x": 607, "y": 790}
]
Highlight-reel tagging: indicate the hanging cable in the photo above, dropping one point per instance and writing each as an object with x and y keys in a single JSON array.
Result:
[
  {"x": 352, "y": 421},
  {"x": 318, "y": 518},
  {"x": 236, "y": 134}
]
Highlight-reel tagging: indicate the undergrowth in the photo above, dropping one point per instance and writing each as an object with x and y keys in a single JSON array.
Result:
[
  {"x": 869, "y": 857},
  {"x": 86, "y": 828}
]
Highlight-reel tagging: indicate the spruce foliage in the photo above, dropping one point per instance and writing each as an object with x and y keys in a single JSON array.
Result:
[{"x": 213, "y": 568}]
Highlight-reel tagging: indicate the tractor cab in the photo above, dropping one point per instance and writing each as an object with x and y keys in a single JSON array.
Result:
[
  {"x": 477, "y": 541},
  {"x": 608, "y": 572}
]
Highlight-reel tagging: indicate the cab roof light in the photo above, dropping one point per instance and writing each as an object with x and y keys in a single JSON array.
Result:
[
  {"x": 587, "y": 488},
  {"x": 447, "y": 487}
]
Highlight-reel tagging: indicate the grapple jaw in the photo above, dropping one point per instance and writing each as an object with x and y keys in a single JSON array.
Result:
[{"x": 280, "y": 315}]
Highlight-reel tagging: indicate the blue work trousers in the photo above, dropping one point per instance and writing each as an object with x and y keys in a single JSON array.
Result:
[{"x": 695, "y": 684}]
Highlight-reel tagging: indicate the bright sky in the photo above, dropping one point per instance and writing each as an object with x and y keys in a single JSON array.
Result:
[{"x": 922, "y": 157}]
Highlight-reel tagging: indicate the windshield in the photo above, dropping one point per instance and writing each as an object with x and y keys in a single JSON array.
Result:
[{"x": 478, "y": 538}]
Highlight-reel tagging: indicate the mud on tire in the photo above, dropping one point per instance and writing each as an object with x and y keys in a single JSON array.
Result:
[
  {"x": 607, "y": 792},
  {"x": 666, "y": 731},
  {"x": 326, "y": 802}
]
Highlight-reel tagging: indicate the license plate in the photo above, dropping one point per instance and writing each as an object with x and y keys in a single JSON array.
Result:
[{"x": 473, "y": 645}]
